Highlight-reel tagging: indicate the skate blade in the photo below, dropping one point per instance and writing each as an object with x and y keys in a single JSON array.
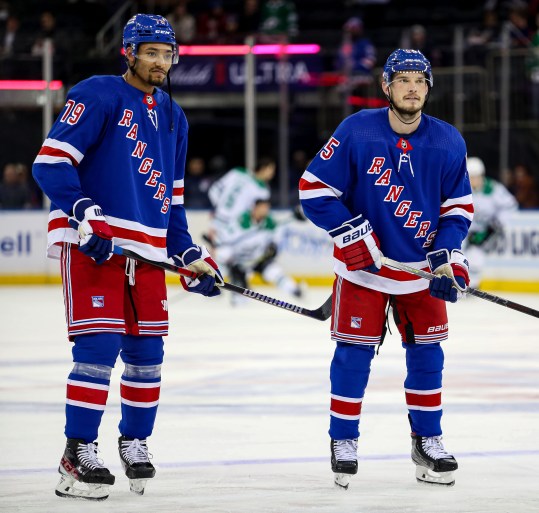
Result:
[
  {"x": 137, "y": 486},
  {"x": 342, "y": 481},
  {"x": 428, "y": 476},
  {"x": 70, "y": 488}
]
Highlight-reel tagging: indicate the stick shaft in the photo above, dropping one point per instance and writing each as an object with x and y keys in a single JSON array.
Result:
[
  {"x": 164, "y": 265},
  {"x": 473, "y": 292},
  {"x": 322, "y": 313}
]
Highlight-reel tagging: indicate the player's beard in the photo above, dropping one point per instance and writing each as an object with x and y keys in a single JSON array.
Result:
[
  {"x": 148, "y": 75},
  {"x": 154, "y": 79},
  {"x": 408, "y": 112}
]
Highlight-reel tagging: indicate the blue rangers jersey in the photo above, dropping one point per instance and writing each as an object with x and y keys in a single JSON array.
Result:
[
  {"x": 414, "y": 189},
  {"x": 113, "y": 143}
]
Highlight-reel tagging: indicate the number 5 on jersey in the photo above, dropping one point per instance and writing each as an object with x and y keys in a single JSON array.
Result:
[{"x": 329, "y": 149}]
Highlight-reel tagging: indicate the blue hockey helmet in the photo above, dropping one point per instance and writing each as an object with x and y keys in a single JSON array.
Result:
[
  {"x": 404, "y": 60},
  {"x": 149, "y": 28}
]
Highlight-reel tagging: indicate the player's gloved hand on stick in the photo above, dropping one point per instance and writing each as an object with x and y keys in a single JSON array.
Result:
[
  {"x": 358, "y": 245},
  {"x": 95, "y": 234},
  {"x": 451, "y": 274},
  {"x": 198, "y": 259}
]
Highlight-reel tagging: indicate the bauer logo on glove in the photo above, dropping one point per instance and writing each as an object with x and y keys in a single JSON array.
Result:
[
  {"x": 360, "y": 233},
  {"x": 95, "y": 234},
  {"x": 357, "y": 246}
]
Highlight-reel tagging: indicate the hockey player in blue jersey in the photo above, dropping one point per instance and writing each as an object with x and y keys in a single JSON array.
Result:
[
  {"x": 392, "y": 182},
  {"x": 113, "y": 167}
]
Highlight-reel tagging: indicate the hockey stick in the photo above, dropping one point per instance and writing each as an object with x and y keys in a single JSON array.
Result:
[
  {"x": 473, "y": 292},
  {"x": 321, "y": 314}
]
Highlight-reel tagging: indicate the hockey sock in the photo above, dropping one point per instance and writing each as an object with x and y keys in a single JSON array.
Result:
[
  {"x": 349, "y": 374},
  {"x": 140, "y": 385},
  {"x": 423, "y": 387},
  {"x": 86, "y": 398},
  {"x": 88, "y": 383}
]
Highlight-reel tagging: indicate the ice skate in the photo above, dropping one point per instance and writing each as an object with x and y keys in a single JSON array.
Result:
[
  {"x": 343, "y": 461},
  {"x": 136, "y": 463},
  {"x": 83, "y": 474},
  {"x": 433, "y": 464}
]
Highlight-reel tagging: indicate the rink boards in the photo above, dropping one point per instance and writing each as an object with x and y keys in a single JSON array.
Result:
[{"x": 304, "y": 250}]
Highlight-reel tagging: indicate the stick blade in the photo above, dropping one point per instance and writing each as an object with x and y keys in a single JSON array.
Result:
[{"x": 323, "y": 313}]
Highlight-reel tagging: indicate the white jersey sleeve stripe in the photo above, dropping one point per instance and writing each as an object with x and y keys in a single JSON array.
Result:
[
  {"x": 458, "y": 212},
  {"x": 68, "y": 148},
  {"x": 137, "y": 227},
  {"x": 64, "y": 147},
  {"x": 177, "y": 192},
  {"x": 463, "y": 200},
  {"x": 311, "y": 186},
  {"x": 49, "y": 159}
]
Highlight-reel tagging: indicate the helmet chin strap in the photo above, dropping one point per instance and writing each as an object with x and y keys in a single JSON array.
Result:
[
  {"x": 170, "y": 102},
  {"x": 130, "y": 67},
  {"x": 392, "y": 107}
]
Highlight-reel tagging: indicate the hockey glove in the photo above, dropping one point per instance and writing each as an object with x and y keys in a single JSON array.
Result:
[
  {"x": 451, "y": 274},
  {"x": 357, "y": 245},
  {"x": 95, "y": 235},
  {"x": 197, "y": 259}
]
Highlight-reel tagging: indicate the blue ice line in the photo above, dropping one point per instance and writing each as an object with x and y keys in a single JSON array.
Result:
[
  {"x": 374, "y": 457},
  {"x": 278, "y": 461}
]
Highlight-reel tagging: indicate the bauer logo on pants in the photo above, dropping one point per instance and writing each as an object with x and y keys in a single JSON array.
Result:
[
  {"x": 98, "y": 301},
  {"x": 355, "y": 322}
]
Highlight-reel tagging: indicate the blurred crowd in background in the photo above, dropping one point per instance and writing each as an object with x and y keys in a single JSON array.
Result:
[
  {"x": 373, "y": 24},
  {"x": 355, "y": 35}
]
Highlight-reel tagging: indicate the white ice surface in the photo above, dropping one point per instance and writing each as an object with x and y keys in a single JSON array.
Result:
[{"x": 243, "y": 418}]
